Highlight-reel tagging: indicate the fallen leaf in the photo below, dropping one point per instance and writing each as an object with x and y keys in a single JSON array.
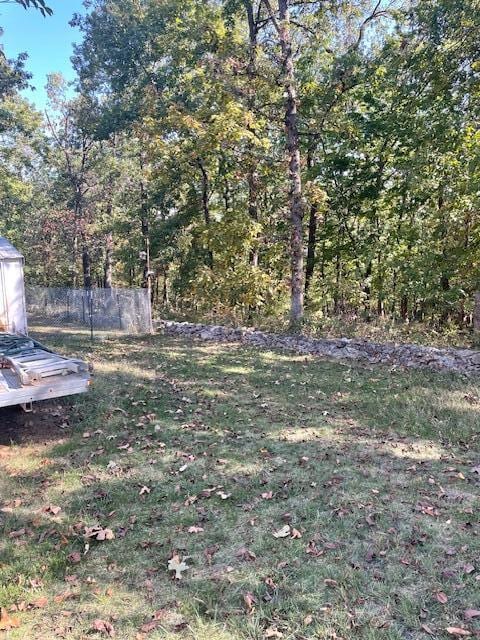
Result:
[
  {"x": 74, "y": 557},
  {"x": 458, "y": 631},
  {"x": 104, "y": 627},
  {"x": 441, "y": 597},
  {"x": 39, "y": 603},
  {"x": 7, "y": 621},
  {"x": 295, "y": 533},
  {"x": 283, "y": 532},
  {"x": 330, "y": 582},
  {"x": 51, "y": 508},
  {"x": 469, "y": 614},
  {"x": 427, "y": 629},
  {"x": 66, "y": 595},
  {"x": 149, "y": 626},
  {"x": 267, "y": 495},
  {"x": 177, "y": 565},
  {"x": 99, "y": 533},
  {"x": 250, "y": 601},
  {"x": 195, "y": 529},
  {"x": 245, "y": 554},
  {"x": 271, "y": 632},
  {"x": 144, "y": 490}
]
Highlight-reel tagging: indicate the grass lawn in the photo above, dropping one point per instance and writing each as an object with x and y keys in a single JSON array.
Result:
[{"x": 308, "y": 499}]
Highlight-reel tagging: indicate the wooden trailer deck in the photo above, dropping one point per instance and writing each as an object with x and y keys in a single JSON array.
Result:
[{"x": 29, "y": 372}]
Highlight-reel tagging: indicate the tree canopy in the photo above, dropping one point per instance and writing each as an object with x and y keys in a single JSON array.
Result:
[{"x": 257, "y": 158}]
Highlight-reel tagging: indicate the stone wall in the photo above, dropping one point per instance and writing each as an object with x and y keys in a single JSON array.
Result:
[{"x": 404, "y": 355}]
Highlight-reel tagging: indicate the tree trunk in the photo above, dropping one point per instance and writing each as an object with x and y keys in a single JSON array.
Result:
[
  {"x": 145, "y": 229},
  {"x": 206, "y": 204},
  {"x": 86, "y": 264},
  {"x": 252, "y": 174},
  {"x": 476, "y": 313},
  {"x": 311, "y": 244},
  {"x": 107, "y": 271},
  {"x": 294, "y": 167}
]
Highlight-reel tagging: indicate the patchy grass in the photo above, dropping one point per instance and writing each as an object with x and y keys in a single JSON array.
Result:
[{"x": 204, "y": 451}]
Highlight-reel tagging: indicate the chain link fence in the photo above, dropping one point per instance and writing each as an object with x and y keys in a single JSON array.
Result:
[{"x": 119, "y": 310}]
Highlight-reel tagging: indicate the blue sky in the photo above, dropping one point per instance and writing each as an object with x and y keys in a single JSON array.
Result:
[{"x": 48, "y": 41}]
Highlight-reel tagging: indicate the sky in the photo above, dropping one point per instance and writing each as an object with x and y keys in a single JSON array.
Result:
[{"x": 48, "y": 41}]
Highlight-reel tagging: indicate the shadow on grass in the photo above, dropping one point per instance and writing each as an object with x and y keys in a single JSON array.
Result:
[{"x": 334, "y": 444}]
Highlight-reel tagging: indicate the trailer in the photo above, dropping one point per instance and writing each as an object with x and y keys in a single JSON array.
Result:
[{"x": 29, "y": 371}]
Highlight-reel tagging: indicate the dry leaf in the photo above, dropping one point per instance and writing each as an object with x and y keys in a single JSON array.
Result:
[
  {"x": 7, "y": 622},
  {"x": 74, "y": 557},
  {"x": 469, "y": 614},
  {"x": 195, "y": 529},
  {"x": 271, "y": 632},
  {"x": 51, "y": 508},
  {"x": 66, "y": 595},
  {"x": 99, "y": 533},
  {"x": 250, "y": 601},
  {"x": 39, "y": 603},
  {"x": 177, "y": 565},
  {"x": 295, "y": 533},
  {"x": 149, "y": 626},
  {"x": 245, "y": 554},
  {"x": 283, "y": 532},
  {"x": 441, "y": 597},
  {"x": 144, "y": 490},
  {"x": 104, "y": 627},
  {"x": 427, "y": 629},
  {"x": 330, "y": 583},
  {"x": 457, "y": 631}
]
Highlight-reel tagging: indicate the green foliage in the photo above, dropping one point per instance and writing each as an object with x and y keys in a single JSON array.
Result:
[{"x": 174, "y": 148}]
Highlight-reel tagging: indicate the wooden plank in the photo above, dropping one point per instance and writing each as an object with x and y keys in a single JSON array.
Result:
[{"x": 62, "y": 386}]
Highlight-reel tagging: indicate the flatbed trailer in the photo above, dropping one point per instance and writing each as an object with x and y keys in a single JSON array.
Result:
[{"x": 30, "y": 372}]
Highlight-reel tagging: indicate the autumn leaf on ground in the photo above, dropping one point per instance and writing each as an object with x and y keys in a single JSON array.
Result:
[
  {"x": 195, "y": 529},
  {"x": 7, "y": 622},
  {"x": 441, "y": 597},
  {"x": 271, "y": 632},
  {"x": 283, "y": 532},
  {"x": 469, "y": 614},
  {"x": 178, "y": 565},
  {"x": 250, "y": 601},
  {"x": 51, "y": 508},
  {"x": 245, "y": 554},
  {"x": 99, "y": 533},
  {"x": 74, "y": 557},
  {"x": 39, "y": 603},
  {"x": 144, "y": 490},
  {"x": 458, "y": 632},
  {"x": 104, "y": 627}
]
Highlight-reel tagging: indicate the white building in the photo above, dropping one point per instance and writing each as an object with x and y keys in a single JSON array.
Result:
[{"x": 13, "y": 317}]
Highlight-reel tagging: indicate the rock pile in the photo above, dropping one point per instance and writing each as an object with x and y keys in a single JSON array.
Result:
[{"x": 464, "y": 361}]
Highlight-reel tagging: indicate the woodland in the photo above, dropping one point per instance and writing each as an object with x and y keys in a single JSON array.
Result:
[{"x": 255, "y": 161}]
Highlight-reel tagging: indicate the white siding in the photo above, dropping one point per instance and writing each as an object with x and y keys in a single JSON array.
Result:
[{"x": 12, "y": 297}]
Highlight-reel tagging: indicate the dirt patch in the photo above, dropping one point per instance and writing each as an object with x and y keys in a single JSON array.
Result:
[{"x": 46, "y": 423}]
